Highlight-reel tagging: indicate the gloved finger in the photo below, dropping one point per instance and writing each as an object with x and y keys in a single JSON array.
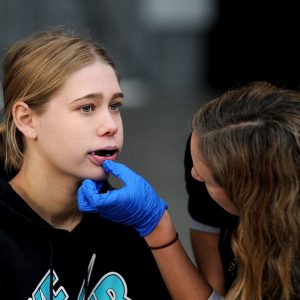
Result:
[
  {"x": 83, "y": 201},
  {"x": 119, "y": 170},
  {"x": 92, "y": 186},
  {"x": 106, "y": 200},
  {"x": 89, "y": 192}
]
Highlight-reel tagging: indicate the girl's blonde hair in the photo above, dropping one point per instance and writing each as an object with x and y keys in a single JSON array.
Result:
[
  {"x": 33, "y": 70},
  {"x": 250, "y": 139}
]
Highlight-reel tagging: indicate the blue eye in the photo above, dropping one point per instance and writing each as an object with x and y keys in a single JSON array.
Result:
[
  {"x": 115, "y": 106},
  {"x": 87, "y": 108}
]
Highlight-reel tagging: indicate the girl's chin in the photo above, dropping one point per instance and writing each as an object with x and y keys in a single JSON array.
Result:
[{"x": 99, "y": 175}]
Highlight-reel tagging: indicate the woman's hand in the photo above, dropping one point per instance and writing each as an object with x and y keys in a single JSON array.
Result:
[{"x": 136, "y": 203}]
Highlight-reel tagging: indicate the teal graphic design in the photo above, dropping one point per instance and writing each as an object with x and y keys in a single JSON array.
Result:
[
  {"x": 42, "y": 292},
  {"x": 112, "y": 286},
  {"x": 90, "y": 269}
]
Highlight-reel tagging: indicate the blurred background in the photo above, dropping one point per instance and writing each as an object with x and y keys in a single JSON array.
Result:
[{"x": 173, "y": 56}]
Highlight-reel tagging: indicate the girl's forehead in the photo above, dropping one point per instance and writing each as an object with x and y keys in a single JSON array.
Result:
[{"x": 94, "y": 78}]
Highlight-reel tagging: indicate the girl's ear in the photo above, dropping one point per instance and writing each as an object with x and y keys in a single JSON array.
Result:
[{"x": 23, "y": 118}]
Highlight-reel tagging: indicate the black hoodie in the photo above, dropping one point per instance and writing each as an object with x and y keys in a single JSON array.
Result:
[{"x": 97, "y": 260}]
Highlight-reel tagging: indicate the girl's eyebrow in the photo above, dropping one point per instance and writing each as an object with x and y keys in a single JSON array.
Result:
[{"x": 100, "y": 96}]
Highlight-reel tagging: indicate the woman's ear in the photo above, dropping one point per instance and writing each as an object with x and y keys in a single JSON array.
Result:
[{"x": 23, "y": 118}]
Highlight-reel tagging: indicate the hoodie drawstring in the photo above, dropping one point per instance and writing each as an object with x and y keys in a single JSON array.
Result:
[{"x": 51, "y": 268}]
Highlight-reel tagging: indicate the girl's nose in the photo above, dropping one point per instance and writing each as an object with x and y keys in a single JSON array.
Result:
[
  {"x": 109, "y": 126},
  {"x": 110, "y": 131}
]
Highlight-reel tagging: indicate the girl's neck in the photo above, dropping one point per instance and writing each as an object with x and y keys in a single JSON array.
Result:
[{"x": 54, "y": 199}]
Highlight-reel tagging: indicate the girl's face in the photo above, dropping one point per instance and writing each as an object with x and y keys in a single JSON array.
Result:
[
  {"x": 82, "y": 125},
  {"x": 201, "y": 172}
]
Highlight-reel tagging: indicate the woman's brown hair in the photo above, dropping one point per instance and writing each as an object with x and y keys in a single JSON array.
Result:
[{"x": 250, "y": 139}]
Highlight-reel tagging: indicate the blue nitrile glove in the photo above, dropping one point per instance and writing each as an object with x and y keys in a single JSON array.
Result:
[{"x": 136, "y": 203}]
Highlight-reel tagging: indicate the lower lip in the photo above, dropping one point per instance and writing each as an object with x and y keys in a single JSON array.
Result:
[{"x": 98, "y": 160}]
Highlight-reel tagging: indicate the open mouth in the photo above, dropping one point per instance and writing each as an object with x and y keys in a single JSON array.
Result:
[{"x": 104, "y": 153}]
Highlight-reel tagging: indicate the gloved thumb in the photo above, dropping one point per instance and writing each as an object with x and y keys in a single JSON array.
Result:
[{"x": 119, "y": 170}]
